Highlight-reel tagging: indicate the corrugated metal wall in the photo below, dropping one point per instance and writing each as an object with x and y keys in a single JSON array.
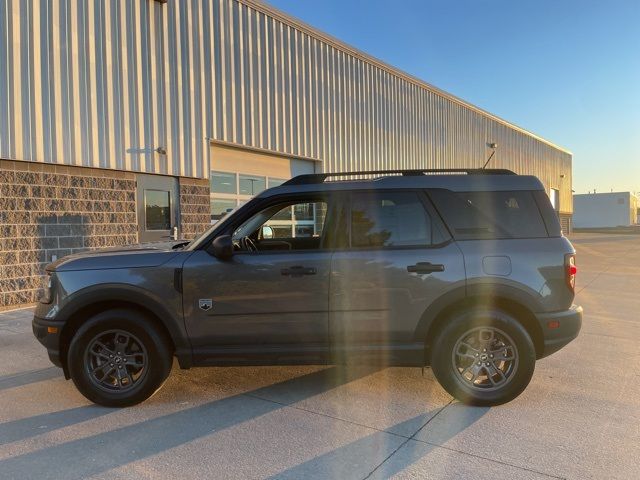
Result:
[{"x": 104, "y": 83}]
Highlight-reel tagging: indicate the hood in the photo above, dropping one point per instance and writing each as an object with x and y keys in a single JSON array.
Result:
[{"x": 130, "y": 256}]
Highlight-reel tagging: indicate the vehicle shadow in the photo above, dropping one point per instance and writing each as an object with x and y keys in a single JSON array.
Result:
[
  {"x": 342, "y": 462},
  {"x": 133, "y": 442},
  {"x": 32, "y": 376},
  {"x": 38, "y": 424}
]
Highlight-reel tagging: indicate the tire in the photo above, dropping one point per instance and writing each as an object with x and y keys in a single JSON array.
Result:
[
  {"x": 129, "y": 356},
  {"x": 496, "y": 340}
]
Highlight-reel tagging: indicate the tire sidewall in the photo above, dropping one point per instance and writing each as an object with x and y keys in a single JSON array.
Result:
[
  {"x": 158, "y": 357},
  {"x": 444, "y": 369}
]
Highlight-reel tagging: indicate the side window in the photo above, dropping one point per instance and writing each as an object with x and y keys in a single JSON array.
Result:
[
  {"x": 285, "y": 226},
  {"x": 391, "y": 219},
  {"x": 486, "y": 215},
  {"x": 305, "y": 219}
]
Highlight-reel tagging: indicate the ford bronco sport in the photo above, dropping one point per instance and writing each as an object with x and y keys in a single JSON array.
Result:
[{"x": 465, "y": 270}]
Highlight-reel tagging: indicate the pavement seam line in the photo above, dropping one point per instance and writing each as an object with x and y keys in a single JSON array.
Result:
[
  {"x": 594, "y": 279},
  {"x": 602, "y": 272},
  {"x": 407, "y": 440},
  {"x": 326, "y": 415},
  {"x": 489, "y": 459},
  {"x": 412, "y": 437}
]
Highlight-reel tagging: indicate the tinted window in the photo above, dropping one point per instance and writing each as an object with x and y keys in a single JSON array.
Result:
[
  {"x": 222, "y": 182},
  {"x": 472, "y": 215},
  {"x": 157, "y": 209},
  {"x": 275, "y": 182},
  {"x": 299, "y": 220},
  {"x": 285, "y": 226},
  {"x": 220, "y": 207},
  {"x": 389, "y": 220},
  {"x": 251, "y": 185}
]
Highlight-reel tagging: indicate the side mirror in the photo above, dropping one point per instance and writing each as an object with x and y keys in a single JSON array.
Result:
[
  {"x": 267, "y": 232},
  {"x": 222, "y": 247}
]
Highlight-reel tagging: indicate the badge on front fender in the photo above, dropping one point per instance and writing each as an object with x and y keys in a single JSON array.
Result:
[{"x": 205, "y": 304}]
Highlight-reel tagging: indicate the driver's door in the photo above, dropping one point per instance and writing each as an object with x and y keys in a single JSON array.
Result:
[{"x": 265, "y": 298}]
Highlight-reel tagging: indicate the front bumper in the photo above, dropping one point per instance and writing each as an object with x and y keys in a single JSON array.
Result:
[
  {"x": 559, "y": 328},
  {"x": 48, "y": 334}
]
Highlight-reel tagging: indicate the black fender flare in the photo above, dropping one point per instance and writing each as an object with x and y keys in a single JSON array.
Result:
[
  {"x": 136, "y": 296},
  {"x": 479, "y": 291}
]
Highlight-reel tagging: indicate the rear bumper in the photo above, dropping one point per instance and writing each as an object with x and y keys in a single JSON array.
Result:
[
  {"x": 49, "y": 338},
  {"x": 559, "y": 328}
]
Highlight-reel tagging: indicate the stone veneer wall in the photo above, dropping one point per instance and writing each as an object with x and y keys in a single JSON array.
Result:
[
  {"x": 49, "y": 210},
  {"x": 195, "y": 207}
]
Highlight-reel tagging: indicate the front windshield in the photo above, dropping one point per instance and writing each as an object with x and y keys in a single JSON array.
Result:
[{"x": 200, "y": 237}]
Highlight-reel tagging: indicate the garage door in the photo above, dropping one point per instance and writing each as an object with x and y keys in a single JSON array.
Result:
[{"x": 238, "y": 174}]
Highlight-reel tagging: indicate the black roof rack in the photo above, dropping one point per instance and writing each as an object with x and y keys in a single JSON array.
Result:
[{"x": 313, "y": 178}]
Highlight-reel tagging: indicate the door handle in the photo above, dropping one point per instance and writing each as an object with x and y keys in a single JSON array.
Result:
[
  {"x": 425, "y": 267},
  {"x": 298, "y": 271}
]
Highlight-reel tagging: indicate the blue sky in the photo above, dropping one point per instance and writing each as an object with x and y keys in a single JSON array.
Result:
[{"x": 568, "y": 71}]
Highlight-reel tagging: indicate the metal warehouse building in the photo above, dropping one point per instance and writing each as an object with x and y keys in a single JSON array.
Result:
[
  {"x": 605, "y": 210},
  {"x": 122, "y": 120}
]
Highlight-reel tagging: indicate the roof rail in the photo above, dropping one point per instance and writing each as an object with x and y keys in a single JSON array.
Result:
[{"x": 314, "y": 178}]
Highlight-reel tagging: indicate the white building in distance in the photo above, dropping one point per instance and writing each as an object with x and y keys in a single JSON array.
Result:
[{"x": 602, "y": 210}]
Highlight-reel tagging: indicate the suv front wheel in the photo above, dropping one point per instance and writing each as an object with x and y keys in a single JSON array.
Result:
[
  {"x": 483, "y": 357},
  {"x": 119, "y": 358}
]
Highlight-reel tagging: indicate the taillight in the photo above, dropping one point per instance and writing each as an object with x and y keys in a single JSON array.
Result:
[{"x": 571, "y": 270}]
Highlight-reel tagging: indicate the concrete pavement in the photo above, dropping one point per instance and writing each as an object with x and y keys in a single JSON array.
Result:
[{"x": 579, "y": 417}]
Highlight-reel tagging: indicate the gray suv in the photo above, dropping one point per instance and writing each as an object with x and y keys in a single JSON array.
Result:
[{"x": 466, "y": 271}]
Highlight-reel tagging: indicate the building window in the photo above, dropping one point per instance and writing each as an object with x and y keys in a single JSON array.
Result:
[
  {"x": 282, "y": 224},
  {"x": 275, "y": 182},
  {"x": 251, "y": 185},
  {"x": 299, "y": 220},
  {"x": 157, "y": 209},
  {"x": 220, "y": 207},
  {"x": 230, "y": 189},
  {"x": 222, "y": 182}
]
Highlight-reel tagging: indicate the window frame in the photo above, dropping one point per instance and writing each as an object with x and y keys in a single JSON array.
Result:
[
  {"x": 458, "y": 238},
  {"x": 281, "y": 180},
  {"x": 220, "y": 172},
  {"x": 436, "y": 220},
  {"x": 306, "y": 197},
  {"x": 146, "y": 219},
  {"x": 292, "y": 221},
  {"x": 251, "y": 176},
  {"x": 239, "y": 198},
  {"x": 218, "y": 199}
]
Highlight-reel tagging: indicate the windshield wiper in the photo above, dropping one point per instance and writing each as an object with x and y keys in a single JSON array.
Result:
[{"x": 180, "y": 245}]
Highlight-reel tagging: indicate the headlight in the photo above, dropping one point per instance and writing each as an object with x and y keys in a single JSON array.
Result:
[{"x": 47, "y": 287}]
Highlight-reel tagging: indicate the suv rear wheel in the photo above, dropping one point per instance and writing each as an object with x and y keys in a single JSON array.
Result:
[
  {"x": 483, "y": 357},
  {"x": 119, "y": 358}
]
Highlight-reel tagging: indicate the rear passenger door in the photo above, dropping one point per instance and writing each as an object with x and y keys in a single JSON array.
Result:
[{"x": 396, "y": 260}]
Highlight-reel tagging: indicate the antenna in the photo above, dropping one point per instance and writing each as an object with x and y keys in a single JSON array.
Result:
[{"x": 492, "y": 146}]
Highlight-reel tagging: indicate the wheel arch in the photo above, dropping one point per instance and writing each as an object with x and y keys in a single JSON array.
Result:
[
  {"x": 503, "y": 298},
  {"x": 88, "y": 302}
]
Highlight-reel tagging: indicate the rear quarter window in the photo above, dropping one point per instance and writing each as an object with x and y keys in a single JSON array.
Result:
[{"x": 490, "y": 215}]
